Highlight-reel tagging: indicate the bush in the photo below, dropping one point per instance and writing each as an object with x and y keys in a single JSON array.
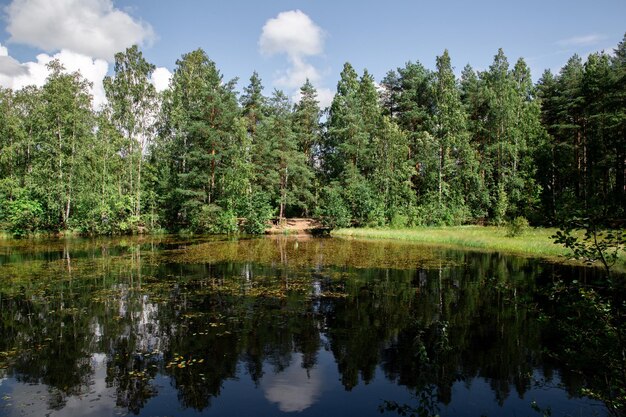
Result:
[
  {"x": 399, "y": 221},
  {"x": 256, "y": 214},
  {"x": 212, "y": 219},
  {"x": 23, "y": 216},
  {"x": 434, "y": 214},
  {"x": 333, "y": 211},
  {"x": 99, "y": 221},
  {"x": 517, "y": 227}
]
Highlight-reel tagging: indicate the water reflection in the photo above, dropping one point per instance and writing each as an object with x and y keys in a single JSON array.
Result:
[
  {"x": 275, "y": 324},
  {"x": 295, "y": 388}
]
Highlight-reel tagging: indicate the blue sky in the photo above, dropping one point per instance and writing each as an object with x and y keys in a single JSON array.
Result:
[{"x": 301, "y": 37}]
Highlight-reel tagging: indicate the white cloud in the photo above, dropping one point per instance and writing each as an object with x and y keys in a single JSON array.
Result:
[
  {"x": 294, "y": 389},
  {"x": 9, "y": 66},
  {"x": 89, "y": 27},
  {"x": 325, "y": 97},
  {"x": 35, "y": 73},
  {"x": 161, "y": 78},
  {"x": 292, "y": 33},
  {"x": 297, "y": 74},
  {"x": 585, "y": 40}
]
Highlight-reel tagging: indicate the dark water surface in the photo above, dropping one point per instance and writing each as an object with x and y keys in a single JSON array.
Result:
[{"x": 273, "y": 326}]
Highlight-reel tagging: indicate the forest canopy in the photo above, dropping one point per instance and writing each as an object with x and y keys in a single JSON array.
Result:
[{"x": 421, "y": 147}]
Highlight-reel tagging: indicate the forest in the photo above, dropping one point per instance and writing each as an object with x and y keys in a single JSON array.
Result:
[{"x": 421, "y": 147}]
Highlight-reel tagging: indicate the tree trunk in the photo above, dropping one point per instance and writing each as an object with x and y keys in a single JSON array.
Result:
[{"x": 138, "y": 208}]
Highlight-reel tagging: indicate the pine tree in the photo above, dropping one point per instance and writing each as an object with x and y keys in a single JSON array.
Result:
[
  {"x": 253, "y": 103},
  {"x": 307, "y": 124},
  {"x": 390, "y": 94},
  {"x": 282, "y": 169},
  {"x": 342, "y": 124},
  {"x": 200, "y": 126}
]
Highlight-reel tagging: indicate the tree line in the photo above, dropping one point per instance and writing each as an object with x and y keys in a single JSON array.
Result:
[{"x": 422, "y": 147}]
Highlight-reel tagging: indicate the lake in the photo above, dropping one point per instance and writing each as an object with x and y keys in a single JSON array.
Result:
[{"x": 169, "y": 326}]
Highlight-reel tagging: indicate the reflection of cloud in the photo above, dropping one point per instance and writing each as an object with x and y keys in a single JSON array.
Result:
[
  {"x": 33, "y": 399},
  {"x": 294, "y": 389}
]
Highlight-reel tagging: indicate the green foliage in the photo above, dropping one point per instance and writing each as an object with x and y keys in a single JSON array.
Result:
[
  {"x": 282, "y": 169},
  {"x": 23, "y": 217},
  {"x": 202, "y": 140},
  {"x": 212, "y": 219},
  {"x": 589, "y": 323},
  {"x": 132, "y": 99},
  {"x": 256, "y": 214},
  {"x": 595, "y": 245},
  {"x": 517, "y": 227},
  {"x": 332, "y": 211},
  {"x": 438, "y": 150},
  {"x": 501, "y": 206},
  {"x": 432, "y": 213},
  {"x": 399, "y": 221}
]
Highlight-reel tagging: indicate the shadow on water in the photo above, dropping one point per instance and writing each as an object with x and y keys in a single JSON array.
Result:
[{"x": 276, "y": 325}]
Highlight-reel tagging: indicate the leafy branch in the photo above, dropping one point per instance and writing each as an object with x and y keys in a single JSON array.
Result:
[{"x": 595, "y": 245}]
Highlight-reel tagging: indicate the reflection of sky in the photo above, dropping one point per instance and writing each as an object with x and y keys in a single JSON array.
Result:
[
  {"x": 32, "y": 400},
  {"x": 293, "y": 389}
]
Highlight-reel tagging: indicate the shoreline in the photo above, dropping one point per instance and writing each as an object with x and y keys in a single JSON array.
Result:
[{"x": 536, "y": 242}]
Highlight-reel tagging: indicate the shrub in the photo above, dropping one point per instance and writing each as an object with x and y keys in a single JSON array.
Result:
[
  {"x": 256, "y": 214},
  {"x": 333, "y": 211},
  {"x": 432, "y": 213},
  {"x": 517, "y": 227},
  {"x": 399, "y": 221},
  {"x": 23, "y": 216},
  {"x": 212, "y": 219}
]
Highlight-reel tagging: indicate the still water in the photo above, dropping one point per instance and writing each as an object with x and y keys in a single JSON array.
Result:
[{"x": 276, "y": 326}]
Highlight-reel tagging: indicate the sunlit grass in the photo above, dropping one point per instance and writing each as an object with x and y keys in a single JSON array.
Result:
[{"x": 535, "y": 241}]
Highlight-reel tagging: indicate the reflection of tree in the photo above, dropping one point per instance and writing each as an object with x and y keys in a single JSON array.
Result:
[
  {"x": 469, "y": 322},
  {"x": 52, "y": 345},
  {"x": 587, "y": 332},
  {"x": 425, "y": 325},
  {"x": 360, "y": 325},
  {"x": 130, "y": 374},
  {"x": 134, "y": 338},
  {"x": 211, "y": 342},
  {"x": 223, "y": 328}
]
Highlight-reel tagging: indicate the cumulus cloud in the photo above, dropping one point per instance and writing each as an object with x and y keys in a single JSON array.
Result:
[
  {"x": 89, "y": 27},
  {"x": 18, "y": 75},
  {"x": 9, "y": 66},
  {"x": 585, "y": 40},
  {"x": 161, "y": 78},
  {"x": 295, "y": 35},
  {"x": 292, "y": 33},
  {"x": 325, "y": 97},
  {"x": 36, "y": 72},
  {"x": 297, "y": 74}
]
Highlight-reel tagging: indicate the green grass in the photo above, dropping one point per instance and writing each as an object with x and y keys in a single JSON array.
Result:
[{"x": 534, "y": 242}]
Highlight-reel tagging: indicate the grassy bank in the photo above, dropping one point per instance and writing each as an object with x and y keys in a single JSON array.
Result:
[{"x": 534, "y": 242}]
